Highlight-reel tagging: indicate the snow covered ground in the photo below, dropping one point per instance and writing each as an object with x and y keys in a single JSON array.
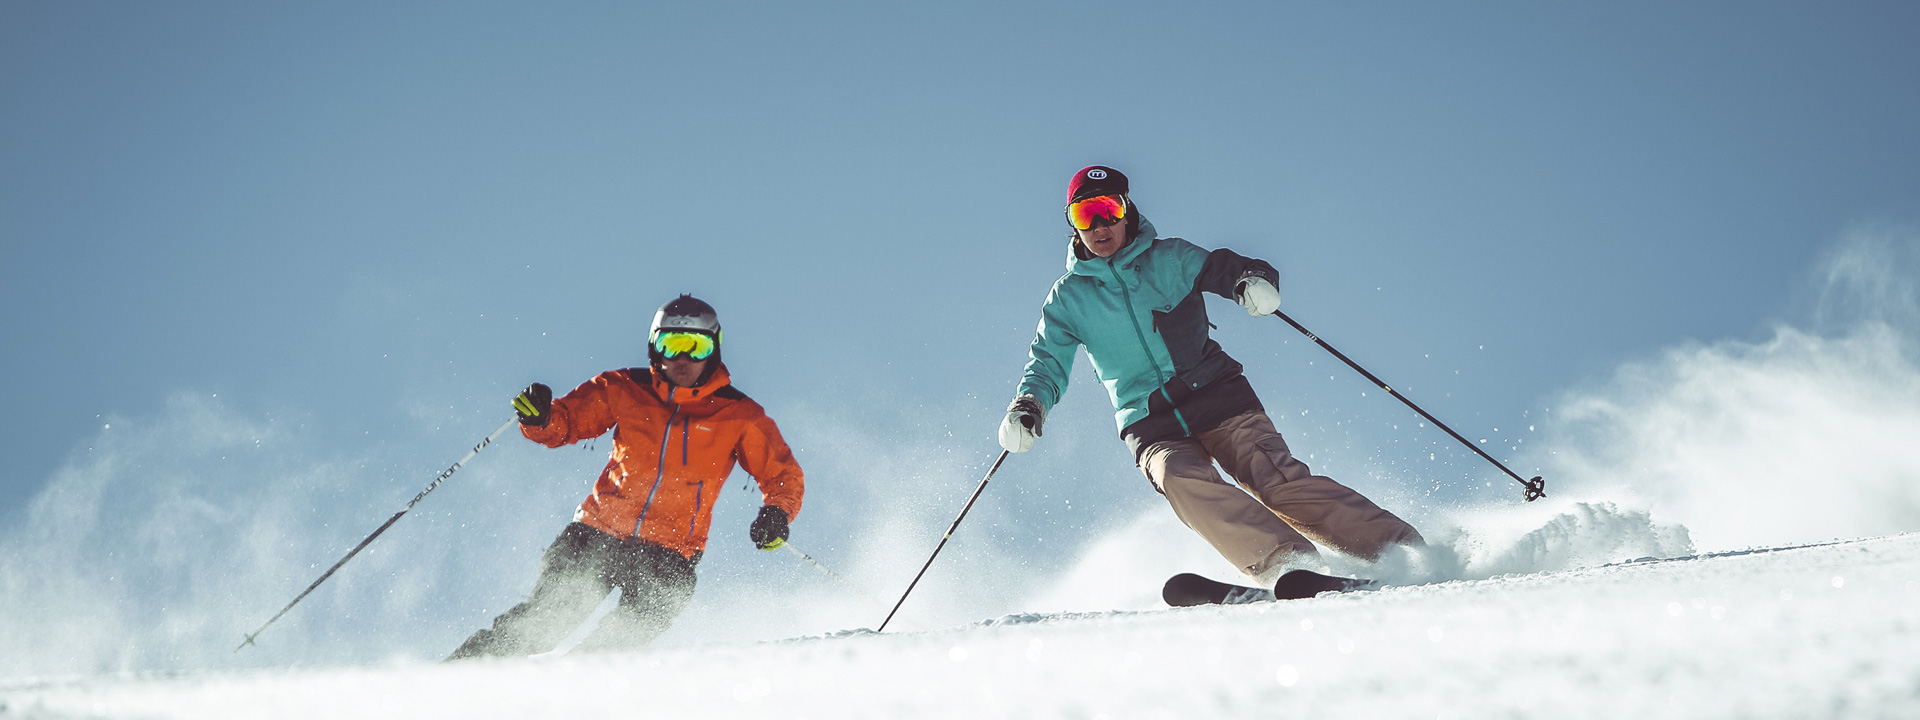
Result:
[
  {"x": 1818, "y": 631},
  {"x": 131, "y": 578}
]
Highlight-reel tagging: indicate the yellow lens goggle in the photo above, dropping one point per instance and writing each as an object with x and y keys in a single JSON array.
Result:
[{"x": 675, "y": 343}]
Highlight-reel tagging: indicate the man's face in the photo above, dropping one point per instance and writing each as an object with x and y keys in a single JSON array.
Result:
[
  {"x": 1103, "y": 240},
  {"x": 683, "y": 371}
]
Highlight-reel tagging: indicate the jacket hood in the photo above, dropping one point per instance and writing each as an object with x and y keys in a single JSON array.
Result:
[{"x": 1097, "y": 266}]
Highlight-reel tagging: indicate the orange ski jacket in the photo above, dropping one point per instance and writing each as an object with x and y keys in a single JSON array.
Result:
[{"x": 673, "y": 449}]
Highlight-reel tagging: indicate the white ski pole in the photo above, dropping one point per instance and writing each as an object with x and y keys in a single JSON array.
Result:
[
  {"x": 383, "y": 528},
  {"x": 829, "y": 573}
]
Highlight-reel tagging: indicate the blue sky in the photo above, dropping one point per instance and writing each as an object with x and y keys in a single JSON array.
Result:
[{"x": 369, "y": 224}]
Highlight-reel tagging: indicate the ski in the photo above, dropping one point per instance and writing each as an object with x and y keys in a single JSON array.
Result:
[
  {"x": 1188, "y": 589},
  {"x": 1302, "y": 584}
]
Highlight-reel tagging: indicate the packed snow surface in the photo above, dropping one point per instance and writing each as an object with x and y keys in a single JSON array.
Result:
[{"x": 1825, "y": 630}]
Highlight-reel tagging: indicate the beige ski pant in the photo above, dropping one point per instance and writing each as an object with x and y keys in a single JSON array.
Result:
[{"x": 1284, "y": 506}]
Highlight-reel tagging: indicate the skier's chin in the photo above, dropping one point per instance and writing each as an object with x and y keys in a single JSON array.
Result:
[{"x": 682, "y": 373}]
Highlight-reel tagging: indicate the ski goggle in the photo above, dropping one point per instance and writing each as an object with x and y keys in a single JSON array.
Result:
[
  {"x": 1110, "y": 208},
  {"x": 675, "y": 343}
]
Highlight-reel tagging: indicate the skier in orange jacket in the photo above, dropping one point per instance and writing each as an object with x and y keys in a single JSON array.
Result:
[{"x": 678, "y": 427}]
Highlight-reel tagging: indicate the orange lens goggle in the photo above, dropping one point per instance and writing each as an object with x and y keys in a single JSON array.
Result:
[{"x": 1104, "y": 210}]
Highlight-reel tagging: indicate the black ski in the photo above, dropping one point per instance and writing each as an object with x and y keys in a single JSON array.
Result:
[
  {"x": 1302, "y": 584},
  {"x": 1188, "y": 589}
]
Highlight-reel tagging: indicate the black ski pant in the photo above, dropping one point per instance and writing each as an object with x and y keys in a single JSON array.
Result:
[{"x": 576, "y": 573}]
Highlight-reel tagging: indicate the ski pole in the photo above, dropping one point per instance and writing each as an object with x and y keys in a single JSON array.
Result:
[
  {"x": 944, "y": 538},
  {"x": 836, "y": 576},
  {"x": 829, "y": 573},
  {"x": 383, "y": 528},
  {"x": 1535, "y": 488}
]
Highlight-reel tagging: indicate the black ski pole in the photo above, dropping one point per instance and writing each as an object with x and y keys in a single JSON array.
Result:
[
  {"x": 1535, "y": 488},
  {"x": 944, "y": 538},
  {"x": 376, "y": 533}
]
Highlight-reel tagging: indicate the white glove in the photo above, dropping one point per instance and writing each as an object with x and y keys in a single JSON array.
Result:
[
  {"x": 1257, "y": 295},
  {"x": 1022, "y": 424}
]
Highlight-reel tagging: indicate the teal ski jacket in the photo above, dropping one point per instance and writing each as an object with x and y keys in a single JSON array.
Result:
[{"x": 1144, "y": 324}]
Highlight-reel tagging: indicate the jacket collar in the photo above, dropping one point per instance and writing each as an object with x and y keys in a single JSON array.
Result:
[
  {"x": 674, "y": 394},
  {"x": 1097, "y": 267}
]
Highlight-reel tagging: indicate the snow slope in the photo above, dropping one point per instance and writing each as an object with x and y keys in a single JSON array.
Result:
[
  {"x": 1801, "y": 632},
  {"x": 160, "y": 545}
]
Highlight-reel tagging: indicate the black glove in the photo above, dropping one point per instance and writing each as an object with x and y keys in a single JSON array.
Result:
[
  {"x": 534, "y": 405},
  {"x": 769, "y": 531}
]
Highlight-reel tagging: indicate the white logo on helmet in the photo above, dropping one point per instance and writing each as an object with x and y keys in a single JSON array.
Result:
[{"x": 1096, "y": 174}]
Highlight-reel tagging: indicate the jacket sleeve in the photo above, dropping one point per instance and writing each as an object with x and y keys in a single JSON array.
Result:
[
  {"x": 1220, "y": 271},
  {"x": 1050, "y": 358},
  {"x": 765, "y": 456},
  {"x": 583, "y": 413}
]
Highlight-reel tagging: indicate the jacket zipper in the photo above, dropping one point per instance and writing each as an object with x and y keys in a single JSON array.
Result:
[
  {"x": 666, "y": 439},
  {"x": 1127, "y": 298},
  {"x": 699, "y": 491},
  {"x": 699, "y": 497}
]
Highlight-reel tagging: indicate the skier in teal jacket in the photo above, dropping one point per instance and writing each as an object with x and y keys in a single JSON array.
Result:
[{"x": 1132, "y": 299}]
